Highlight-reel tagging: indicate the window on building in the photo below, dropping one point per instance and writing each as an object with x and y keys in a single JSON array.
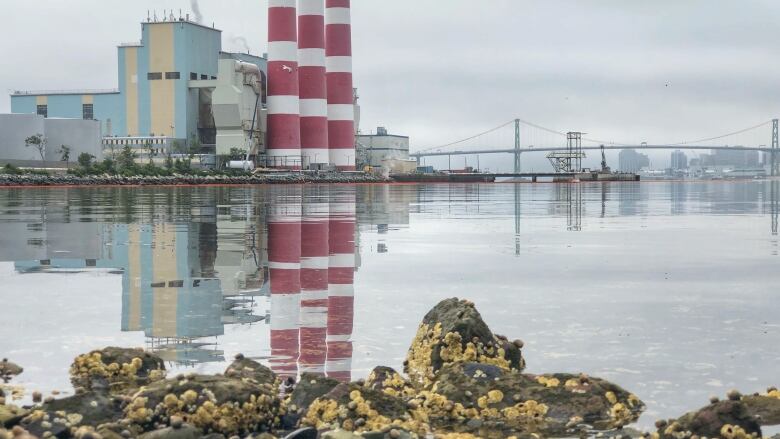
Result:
[
  {"x": 88, "y": 111},
  {"x": 204, "y": 77},
  {"x": 176, "y": 284},
  {"x": 213, "y": 77},
  {"x": 194, "y": 76},
  {"x": 172, "y": 75},
  {"x": 154, "y": 76},
  {"x": 43, "y": 110}
]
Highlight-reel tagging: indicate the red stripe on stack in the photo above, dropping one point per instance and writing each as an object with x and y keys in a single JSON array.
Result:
[
  {"x": 284, "y": 131},
  {"x": 314, "y": 109},
  {"x": 341, "y": 116}
]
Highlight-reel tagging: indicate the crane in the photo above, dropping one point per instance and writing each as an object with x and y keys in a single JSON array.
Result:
[{"x": 604, "y": 168}]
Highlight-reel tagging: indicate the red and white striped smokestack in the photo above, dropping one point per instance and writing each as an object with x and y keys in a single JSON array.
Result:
[
  {"x": 341, "y": 300},
  {"x": 314, "y": 97},
  {"x": 284, "y": 127},
  {"x": 341, "y": 108},
  {"x": 314, "y": 284},
  {"x": 284, "y": 260}
]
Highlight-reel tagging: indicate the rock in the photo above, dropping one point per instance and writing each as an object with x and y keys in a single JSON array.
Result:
[
  {"x": 454, "y": 332},
  {"x": 185, "y": 432},
  {"x": 340, "y": 434},
  {"x": 10, "y": 415},
  {"x": 387, "y": 380},
  {"x": 219, "y": 404},
  {"x": 347, "y": 403},
  {"x": 115, "y": 369},
  {"x": 522, "y": 402},
  {"x": 303, "y": 433},
  {"x": 249, "y": 369},
  {"x": 765, "y": 408},
  {"x": 9, "y": 370},
  {"x": 309, "y": 388},
  {"x": 722, "y": 419},
  {"x": 85, "y": 409}
]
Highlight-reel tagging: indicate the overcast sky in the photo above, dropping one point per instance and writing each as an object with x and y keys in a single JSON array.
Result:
[{"x": 439, "y": 70}]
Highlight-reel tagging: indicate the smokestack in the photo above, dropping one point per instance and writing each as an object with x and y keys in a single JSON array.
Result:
[
  {"x": 314, "y": 99},
  {"x": 284, "y": 124},
  {"x": 314, "y": 281},
  {"x": 341, "y": 109},
  {"x": 284, "y": 263},
  {"x": 341, "y": 276}
]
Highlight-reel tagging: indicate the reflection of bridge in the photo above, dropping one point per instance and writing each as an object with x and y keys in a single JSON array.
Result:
[{"x": 748, "y": 139}]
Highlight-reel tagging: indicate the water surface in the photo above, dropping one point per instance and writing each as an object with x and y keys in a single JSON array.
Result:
[{"x": 669, "y": 289}]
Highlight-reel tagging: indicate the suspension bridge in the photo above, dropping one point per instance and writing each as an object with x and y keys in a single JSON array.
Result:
[{"x": 510, "y": 138}]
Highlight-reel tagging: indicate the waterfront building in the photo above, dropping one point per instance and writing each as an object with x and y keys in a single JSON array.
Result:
[{"x": 383, "y": 150}]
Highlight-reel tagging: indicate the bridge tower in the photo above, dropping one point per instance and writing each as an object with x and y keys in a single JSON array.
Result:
[{"x": 775, "y": 148}]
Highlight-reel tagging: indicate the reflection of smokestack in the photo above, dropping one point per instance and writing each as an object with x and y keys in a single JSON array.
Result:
[
  {"x": 341, "y": 108},
  {"x": 314, "y": 284},
  {"x": 341, "y": 273},
  {"x": 314, "y": 103},
  {"x": 284, "y": 125},
  {"x": 284, "y": 261},
  {"x": 196, "y": 11}
]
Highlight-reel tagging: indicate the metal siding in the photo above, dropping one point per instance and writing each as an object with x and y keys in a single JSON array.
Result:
[
  {"x": 110, "y": 107},
  {"x": 181, "y": 43},
  {"x": 66, "y": 106},
  {"x": 23, "y": 105},
  {"x": 144, "y": 102}
]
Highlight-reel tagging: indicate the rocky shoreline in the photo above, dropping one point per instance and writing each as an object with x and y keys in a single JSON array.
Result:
[
  {"x": 460, "y": 380},
  {"x": 186, "y": 180}
]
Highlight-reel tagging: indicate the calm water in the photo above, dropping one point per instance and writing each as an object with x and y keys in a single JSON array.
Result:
[{"x": 669, "y": 289}]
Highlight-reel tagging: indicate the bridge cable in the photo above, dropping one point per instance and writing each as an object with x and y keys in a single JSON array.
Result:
[
  {"x": 468, "y": 138},
  {"x": 722, "y": 136}
]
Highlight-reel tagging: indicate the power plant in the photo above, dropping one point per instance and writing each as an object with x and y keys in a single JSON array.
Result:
[{"x": 179, "y": 92}]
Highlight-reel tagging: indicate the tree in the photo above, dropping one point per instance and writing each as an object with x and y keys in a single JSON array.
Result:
[
  {"x": 237, "y": 154},
  {"x": 126, "y": 159},
  {"x": 65, "y": 155},
  {"x": 85, "y": 160},
  {"x": 39, "y": 143}
]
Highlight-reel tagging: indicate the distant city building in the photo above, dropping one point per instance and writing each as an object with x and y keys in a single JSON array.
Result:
[
  {"x": 632, "y": 161},
  {"x": 679, "y": 161},
  {"x": 733, "y": 158}
]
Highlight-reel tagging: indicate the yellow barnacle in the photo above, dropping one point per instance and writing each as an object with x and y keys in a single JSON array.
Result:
[
  {"x": 482, "y": 402},
  {"x": 611, "y": 397},
  {"x": 189, "y": 397},
  {"x": 495, "y": 396},
  {"x": 572, "y": 383},
  {"x": 171, "y": 401},
  {"x": 774, "y": 393},
  {"x": 734, "y": 432},
  {"x": 355, "y": 395}
]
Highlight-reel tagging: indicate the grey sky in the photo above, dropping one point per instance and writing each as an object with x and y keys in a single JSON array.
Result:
[{"x": 439, "y": 70}]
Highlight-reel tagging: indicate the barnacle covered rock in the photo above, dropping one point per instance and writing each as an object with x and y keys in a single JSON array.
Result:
[
  {"x": 355, "y": 408},
  {"x": 90, "y": 409},
  {"x": 726, "y": 419},
  {"x": 10, "y": 415},
  {"x": 387, "y": 380},
  {"x": 765, "y": 408},
  {"x": 309, "y": 388},
  {"x": 115, "y": 369},
  {"x": 214, "y": 404},
  {"x": 454, "y": 332},
  {"x": 249, "y": 369},
  {"x": 550, "y": 404}
]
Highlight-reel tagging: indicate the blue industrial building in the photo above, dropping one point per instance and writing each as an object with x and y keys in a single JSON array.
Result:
[{"x": 163, "y": 92}]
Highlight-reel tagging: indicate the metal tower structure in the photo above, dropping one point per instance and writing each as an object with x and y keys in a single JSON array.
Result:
[
  {"x": 569, "y": 161},
  {"x": 518, "y": 165},
  {"x": 775, "y": 148}
]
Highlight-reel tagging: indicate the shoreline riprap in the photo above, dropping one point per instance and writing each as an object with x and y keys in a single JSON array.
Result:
[
  {"x": 55, "y": 180},
  {"x": 460, "y": 380}
]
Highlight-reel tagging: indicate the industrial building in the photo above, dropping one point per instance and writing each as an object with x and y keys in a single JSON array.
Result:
[
  {"x": 385, "y": 151},
  {"x": 679, "y": 161},
  {"x": 165, "y": 88},
  {"x": 177, "y": 91}
]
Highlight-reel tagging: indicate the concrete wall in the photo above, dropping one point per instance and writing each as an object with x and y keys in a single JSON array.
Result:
[
  {"x": 378, "y": 148},
  {"x": 14, "y": 129},
  {"x": 80, "y": 135}
]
